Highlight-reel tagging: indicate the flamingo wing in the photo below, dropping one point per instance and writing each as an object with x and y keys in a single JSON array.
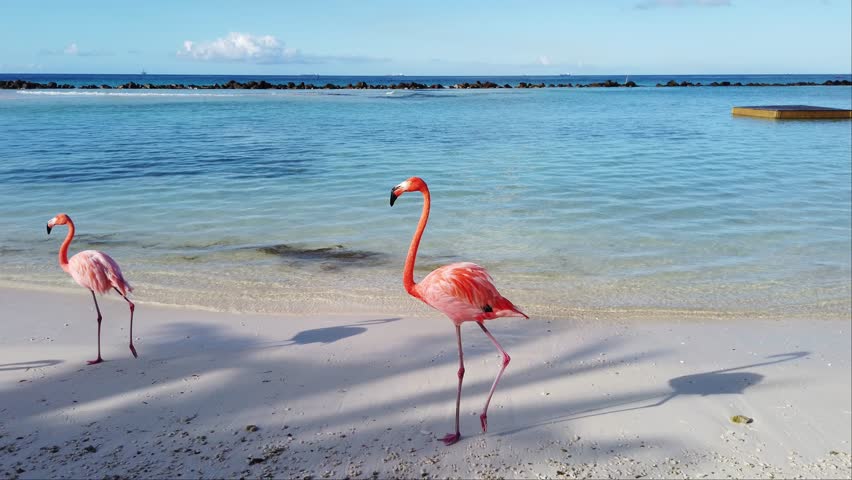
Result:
[
  {"x": 98, "y": 272},
  {"x": 465, "y": 292}
]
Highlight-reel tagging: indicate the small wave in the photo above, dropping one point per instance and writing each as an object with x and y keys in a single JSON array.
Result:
[{"x": 414, "y": 94}]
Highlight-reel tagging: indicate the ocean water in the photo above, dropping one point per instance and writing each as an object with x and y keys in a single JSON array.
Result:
[{"x": 580, "y": 202}]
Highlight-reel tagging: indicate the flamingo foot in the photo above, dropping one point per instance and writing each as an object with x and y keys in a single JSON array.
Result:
[
  {"x": 93, "y": 362},
  {"x": 484, "y": 420},
  {"x": 451, "y": 438},
  {"x": 133, "y": 351}
]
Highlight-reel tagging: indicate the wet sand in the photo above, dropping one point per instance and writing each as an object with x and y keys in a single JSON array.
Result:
[{"x": 333, "y": 396}]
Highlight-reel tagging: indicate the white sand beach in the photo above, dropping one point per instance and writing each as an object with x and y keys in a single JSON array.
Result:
[{"x": 364, "y": 396}]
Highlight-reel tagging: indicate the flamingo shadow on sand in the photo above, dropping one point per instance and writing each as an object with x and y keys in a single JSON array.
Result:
[
  {"x": 720, "y": 382},
  {"x": 205, "y": 340},
  {"x": 328, "y": 335},
  {"x": 6, "y": 367},
  {"x": 717, "y": 382}
]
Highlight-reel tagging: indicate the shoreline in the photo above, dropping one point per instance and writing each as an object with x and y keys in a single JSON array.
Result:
[
  {"x": 364, "y": 395},
  {"x": 399, "y": 303}
]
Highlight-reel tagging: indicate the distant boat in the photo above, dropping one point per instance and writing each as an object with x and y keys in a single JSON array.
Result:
[
  {"x": 144, "y": 72},
  {"x": 564, "y": 74}
]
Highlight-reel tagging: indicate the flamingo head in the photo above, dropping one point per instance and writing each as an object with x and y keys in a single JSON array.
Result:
[
  {"x": 60, "y": 219},
  {"x": 413, "y": 184}
]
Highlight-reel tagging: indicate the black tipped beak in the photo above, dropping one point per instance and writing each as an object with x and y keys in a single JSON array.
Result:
[
  {"x": 394, "y": 196},
  {"x": 48, "y": 229}
]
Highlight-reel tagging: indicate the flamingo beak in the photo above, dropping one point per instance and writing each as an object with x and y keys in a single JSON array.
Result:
[
  {"x": 393, "y": 196},
  {"x": 48, "y": 229}
]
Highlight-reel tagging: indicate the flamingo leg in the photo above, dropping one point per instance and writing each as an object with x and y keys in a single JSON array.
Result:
[
  {"x": 132, "y": 308},
  {"x": 506, "y": 358},
  {"x": 452, "y": 438},
  {"x": 98, "y": 309}
]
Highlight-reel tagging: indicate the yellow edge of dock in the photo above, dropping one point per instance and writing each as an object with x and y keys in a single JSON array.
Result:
[{"x": 791, "y": 113}]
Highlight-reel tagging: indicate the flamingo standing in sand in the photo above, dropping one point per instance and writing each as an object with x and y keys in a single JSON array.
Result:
[
  {"x": 96, "y": 271},
  {"x": 464, "y": 292}
]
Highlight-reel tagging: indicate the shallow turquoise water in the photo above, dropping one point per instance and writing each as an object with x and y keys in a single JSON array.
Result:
[{"x": 576, "y": 200}]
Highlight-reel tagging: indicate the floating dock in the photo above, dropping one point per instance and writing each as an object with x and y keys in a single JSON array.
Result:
[{"x": 791, "y": 112}]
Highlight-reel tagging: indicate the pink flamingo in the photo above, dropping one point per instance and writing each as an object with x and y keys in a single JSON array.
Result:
[
  {"x": 464, "y": 292},
  {"x": 95, "y": 271}
]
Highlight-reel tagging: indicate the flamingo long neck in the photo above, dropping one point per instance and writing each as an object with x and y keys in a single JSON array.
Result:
[
  {"x": 408, "y": 271},
  {"x": 63, "y": 250}
]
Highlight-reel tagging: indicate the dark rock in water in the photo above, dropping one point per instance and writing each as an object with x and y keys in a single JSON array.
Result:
[
  {"x": 20, "y": 84},
  {"x": 606, "y": 84}
]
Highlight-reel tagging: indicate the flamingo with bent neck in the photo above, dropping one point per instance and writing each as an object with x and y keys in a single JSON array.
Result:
[
  {"x": 464, "y": 292},
  {"x": 95, "y": 271}
]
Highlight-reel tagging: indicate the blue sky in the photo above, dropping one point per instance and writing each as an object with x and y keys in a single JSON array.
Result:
[{"x": 433, "y": 37}]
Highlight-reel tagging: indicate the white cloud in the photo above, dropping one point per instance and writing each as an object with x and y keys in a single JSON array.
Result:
[
  {"x": 649, "y": 4},
  {"x": 242, "y": 47},
  {"x": 263, "y": 49},
  {"x": 544, "y": 60},
  {"x": 71, "y": 49}
]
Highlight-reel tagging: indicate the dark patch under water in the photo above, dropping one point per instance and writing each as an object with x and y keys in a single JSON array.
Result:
[
  {"x": 101, "y": 240},
  {"x": 329, "y": 258},
  {"x": 96, "y": 241}
]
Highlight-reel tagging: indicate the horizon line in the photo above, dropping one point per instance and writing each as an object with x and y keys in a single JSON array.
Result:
[{"x": 566, "y": 74}]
